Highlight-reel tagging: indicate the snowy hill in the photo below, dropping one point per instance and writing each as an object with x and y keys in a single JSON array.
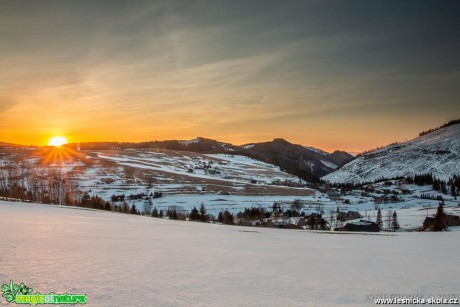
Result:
[
  {"x": 180, "y": 172},
  {"x": 437, "y": 152},
  {"x": 129, "y": 260},
  {"x": 309, "y": 163},
  {"x": 230, "y": 179}
]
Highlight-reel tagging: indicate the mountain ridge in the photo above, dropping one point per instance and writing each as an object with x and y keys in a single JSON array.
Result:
[
  {"x": 307, "y": 163},
  {"x": 436, "y": 151}
]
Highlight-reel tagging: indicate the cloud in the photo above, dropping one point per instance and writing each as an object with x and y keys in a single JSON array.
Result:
[
  {"x": 144, "y": 69},
  {"x": 6, "y": 103}
]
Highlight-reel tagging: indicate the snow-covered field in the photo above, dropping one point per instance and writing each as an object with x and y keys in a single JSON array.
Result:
[
  {"x": 220, "y": 182},
  {"x": 178, "y": 173},
  {"x": 125, "y": 260},
  {"x": 411, "y": 211},
  {"x": 232, "y": 168}
]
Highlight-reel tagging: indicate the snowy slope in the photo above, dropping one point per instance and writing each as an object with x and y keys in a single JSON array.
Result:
[
  {"x": 183, "y": 172},
  {"x": 221, "y": 166},
  {"x": 125, "y": 260},
  {"x": 437, "y": 152}
]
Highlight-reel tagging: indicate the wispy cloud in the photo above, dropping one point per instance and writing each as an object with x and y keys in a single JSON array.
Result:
[{"x": 235, "y": 70}]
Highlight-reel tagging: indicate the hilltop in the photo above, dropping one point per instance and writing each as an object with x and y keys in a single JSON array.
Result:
[{"x": 435, "y": 151}]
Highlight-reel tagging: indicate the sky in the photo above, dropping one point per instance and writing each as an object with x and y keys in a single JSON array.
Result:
[{"x": 348, "y": 75}]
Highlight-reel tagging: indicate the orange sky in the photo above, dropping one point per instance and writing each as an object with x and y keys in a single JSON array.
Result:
[{"x": 231, "y": 71}]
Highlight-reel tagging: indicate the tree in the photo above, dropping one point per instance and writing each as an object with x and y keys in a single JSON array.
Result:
[
  {"x": 394, "y": 222},
  {"x": 133, "y": 209},
  {"x": 389, "y": 219},
  {"x": 203, "y": 216},
  {"x": 160, "y": 215},
  {"x": 319, "y": 208},
  {"x": 155, "y": 212},
  {"x": 173, "y": 215},
  {"x": 194, "y": 215},
  {"x": 440, "y": 219},
  {"x": 85, "y": 200},
  {"x": 311, "y": 221},
  {"x": 297, "y": 204},
  {"x": 378, "y": 220},
  {"x": 225, "y": 218},
  {"x": 125, "y": 207},
  {"x": 323, "y": 225},
  {"x": 107, "y": 206},
  {"x": 332, "y": 218},
  {"x": 148, "y": 206},
  {"x": 276, "y": 207}
]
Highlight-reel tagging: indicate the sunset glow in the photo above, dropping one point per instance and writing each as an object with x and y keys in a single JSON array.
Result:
[
  {"x": 57, "y": 141},
  {"x": 318, "y": 74}
]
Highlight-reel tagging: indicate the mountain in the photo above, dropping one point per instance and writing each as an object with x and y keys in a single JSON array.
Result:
[
  {"x": 199, "y": 145},
  {"x": 435, "y": 151},
  {"x": 307, "y": 163}
]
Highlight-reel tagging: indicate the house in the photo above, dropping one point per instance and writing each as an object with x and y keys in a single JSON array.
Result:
[
  {"x": 406, "y": 191},
  {"x": 362, "y": 225},
  {"x": 451, "y": 220},
  {"x": 350, "y": 215},
  {"x": 380, "y": 200}
]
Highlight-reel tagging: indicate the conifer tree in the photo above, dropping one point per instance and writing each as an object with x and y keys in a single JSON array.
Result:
[
  {"x": 155, "y": 212},
  {"x": 107, "y": 206},
  {"x": 203, "y": 215},
  {"x": 312, "y": 221},
  {"x": 227, "y": 218},
  {"x": 220, "y": 217},
  {"x": 440, "y": 219},
  {"x": 378, "y": 220},
  {"x": 194, "y": 215},
  {"x": 394, "y": 222}
]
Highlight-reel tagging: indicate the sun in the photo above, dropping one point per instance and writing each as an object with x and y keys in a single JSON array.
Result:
[{"x": 57, "y": 141}]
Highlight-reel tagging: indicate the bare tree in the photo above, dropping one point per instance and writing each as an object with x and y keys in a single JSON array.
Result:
[
  {"x": 389, "y": 219},
  {"x": 332, "y": 219}
]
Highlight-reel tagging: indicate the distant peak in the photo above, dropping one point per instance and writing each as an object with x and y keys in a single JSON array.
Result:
[{"x": 280, "y": 140}]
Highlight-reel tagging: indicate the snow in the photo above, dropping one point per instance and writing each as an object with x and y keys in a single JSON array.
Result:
[
  {"x": 236, "y": 168},
  {"x": 188, "y": 142},
  {"x": 329, "y": 164},
  {"x": 248, "y": 146},
  {"x": 233, "y": 203},
  {"x": 125, "y": 260},
  {"x": 319, "y": 151},
  {"x": 436, "y": 152}
]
